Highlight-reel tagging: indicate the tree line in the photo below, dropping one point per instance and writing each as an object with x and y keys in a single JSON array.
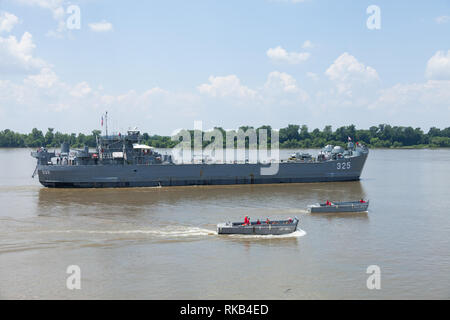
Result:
[{"x": 291, "y": 137}]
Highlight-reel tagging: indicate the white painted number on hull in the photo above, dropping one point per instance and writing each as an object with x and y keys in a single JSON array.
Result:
[{"x": 343, "y": 165}]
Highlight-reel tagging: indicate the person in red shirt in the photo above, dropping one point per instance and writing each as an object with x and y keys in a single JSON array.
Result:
[
  {"x": 258, "y": 222},
  {"x": 362, "y": 201}
]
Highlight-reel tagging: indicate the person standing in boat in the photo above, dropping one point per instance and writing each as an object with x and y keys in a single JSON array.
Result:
[{"x": 267, "y": 221}]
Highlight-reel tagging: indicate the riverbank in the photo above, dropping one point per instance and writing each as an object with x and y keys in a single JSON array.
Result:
[
  {"x": 291, "y": 137},
  {"x": 418, "y": 147}
]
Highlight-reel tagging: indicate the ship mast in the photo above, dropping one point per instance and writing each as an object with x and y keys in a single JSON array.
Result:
[{"x": 106, "y": 123}]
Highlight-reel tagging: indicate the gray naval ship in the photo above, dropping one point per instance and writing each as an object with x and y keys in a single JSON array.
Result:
[{"x": 122, "y": 161}]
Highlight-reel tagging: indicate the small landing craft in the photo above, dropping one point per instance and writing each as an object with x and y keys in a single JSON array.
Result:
[
  {"x": 344, "y": 206},
  {"x": 276, "y": 227}
]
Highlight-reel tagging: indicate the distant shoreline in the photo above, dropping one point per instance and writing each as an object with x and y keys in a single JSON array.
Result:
[
  {"x": 292, "y": 137},
  {"x": 311, "y": 148}
]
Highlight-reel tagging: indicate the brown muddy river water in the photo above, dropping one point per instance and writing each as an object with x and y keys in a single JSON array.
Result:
[{"x": 161, "y": 243}]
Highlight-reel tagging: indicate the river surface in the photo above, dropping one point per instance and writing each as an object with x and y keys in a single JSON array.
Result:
[{"x": 161, "y": 243}]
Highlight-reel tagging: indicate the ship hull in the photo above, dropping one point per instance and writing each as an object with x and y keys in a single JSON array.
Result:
[{"x": 113, "y": 176}]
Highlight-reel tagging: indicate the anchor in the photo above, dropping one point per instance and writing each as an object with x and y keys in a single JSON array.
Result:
[{"x": 34, "y": 172}]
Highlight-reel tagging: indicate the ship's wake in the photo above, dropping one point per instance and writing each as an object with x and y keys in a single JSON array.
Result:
[
  {"x": 174, "y": 232},
  {"x": 165, "y": 233}
]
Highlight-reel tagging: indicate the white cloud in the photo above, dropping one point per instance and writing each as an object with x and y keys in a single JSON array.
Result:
[
  {"x": 81, "y": 90},
  {"x": 278, "y": 54},
  {"x": 352, "y": 94},
  {"x": 307, "y": 45},
  {"x": 438, "y": 67},
  {"x": 154, "y": 92},
  {"x": 42, "y": 96},
  {"x": 45, "y": 79},
  {"x": 227, "y": 86},
  {"x": 102, "y": 26},
  {"x": 281, "y": 82},
  {"x": 442, "y": 19},
  {"x": 432, "y": 92},
  {"x": 7, "y": 21},
  {"x": 347, "y": 67},
  {"x": 348, "y": 73},
  {"x": 281, "y": 90},
  {"x": 17, "y": 55},
  {"x": 416, "y": 104}
]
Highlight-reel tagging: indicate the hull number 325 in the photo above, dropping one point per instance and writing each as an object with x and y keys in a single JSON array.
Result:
[{"x": 343, "y": 165}]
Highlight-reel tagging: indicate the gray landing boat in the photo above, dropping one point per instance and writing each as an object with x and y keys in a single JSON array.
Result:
[
  {"x": 277, "y": 227},
  {"x": 345, "y": 206},
  {"x": 123, "y": 161}
]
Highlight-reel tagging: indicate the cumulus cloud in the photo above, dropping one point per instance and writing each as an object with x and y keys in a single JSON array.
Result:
[
  {"x": 44, "y": 99},
  {"x": 227, "y": 86},
  {"x": 102, "y": 26},
  {"x": 282, "y": 90},
  {"x": 415, "y": 103},
  {"x": 281, "y": 82},
  {"x": 438, "y": 67},
  {"x": 346, "y": 83},
  {"x": 45, "y": 79},
  {"x": 7, "y": 21},
  {"x": 427, "y": 94},
  {"x": 348, "y": 73},
  {"x": 81, "y": 90},
  {"x": 17, "y": 55},
  {"x": 278, "y": 54}
]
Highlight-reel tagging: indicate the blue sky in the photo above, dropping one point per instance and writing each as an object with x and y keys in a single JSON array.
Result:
[{"x": 160, "y": 65}]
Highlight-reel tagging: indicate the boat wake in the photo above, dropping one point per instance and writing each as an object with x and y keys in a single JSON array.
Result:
[
  {"x": 164, "y": 233},
  {"x": 176, "y": 232}
]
